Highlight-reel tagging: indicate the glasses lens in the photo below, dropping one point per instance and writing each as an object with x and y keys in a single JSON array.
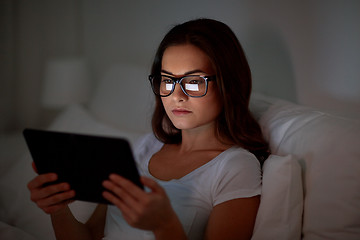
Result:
[
  {"x": 194, "y": 86},
  {"x": 161, "y": 85},
  {"x": 165, "y": 85}
]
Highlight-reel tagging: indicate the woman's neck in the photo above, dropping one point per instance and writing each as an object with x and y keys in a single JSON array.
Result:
[{"x": 201, "y": 139}]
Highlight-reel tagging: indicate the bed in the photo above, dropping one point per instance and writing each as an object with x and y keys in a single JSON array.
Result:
[{"x": 311, "y": 182}]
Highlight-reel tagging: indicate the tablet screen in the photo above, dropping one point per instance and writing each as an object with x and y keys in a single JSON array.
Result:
[{"x": 84, "y": 161}]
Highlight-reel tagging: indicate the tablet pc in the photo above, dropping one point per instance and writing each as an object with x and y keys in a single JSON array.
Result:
[{"x": 83, "y": 161}]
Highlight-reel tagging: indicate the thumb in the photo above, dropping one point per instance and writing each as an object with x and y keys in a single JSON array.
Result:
[{"x": 152, "y": 184}]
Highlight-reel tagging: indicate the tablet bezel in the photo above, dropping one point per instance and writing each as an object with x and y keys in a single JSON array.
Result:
[{"x": 82, "y": 160}]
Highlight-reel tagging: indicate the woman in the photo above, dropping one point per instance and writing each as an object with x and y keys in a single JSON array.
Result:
[{"x": 202, "y": 165}]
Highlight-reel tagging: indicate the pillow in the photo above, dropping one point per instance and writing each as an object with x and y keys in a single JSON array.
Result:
[
  {"x": 279, "y": 118},
  {"x": 327, "y": 147},
  {"x": 77, "y": 119},
  {"x": 17, "y": 209},
  {"x": 8, "y": 232},
  {"x": 260, "y": 103},
  {"x": 280, "y": 211}
]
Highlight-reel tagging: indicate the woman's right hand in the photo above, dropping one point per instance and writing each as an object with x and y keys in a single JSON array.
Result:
[{"x": 50, "y": 198}]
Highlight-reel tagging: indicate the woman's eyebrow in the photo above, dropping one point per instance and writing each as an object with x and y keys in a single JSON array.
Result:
[{"x": 187, "y": 73}]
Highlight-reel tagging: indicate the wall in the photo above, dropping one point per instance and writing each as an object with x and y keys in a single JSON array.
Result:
[
  {"x": 303, "y": 51},
  {"x": 7, "y": 98},
  {"x": 130, "y": 37}
]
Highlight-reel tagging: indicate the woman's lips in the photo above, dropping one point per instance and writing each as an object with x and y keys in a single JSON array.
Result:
[{"x": 180, "y": 112}]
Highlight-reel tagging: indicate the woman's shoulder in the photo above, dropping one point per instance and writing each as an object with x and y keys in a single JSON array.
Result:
[
  {"x": 237, "y": 174},
  {"x": 239, "y": 155},
  {"x": 238, "y": 160}
]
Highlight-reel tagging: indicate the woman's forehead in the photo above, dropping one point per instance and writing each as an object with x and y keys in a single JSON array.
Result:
[{"x": 185, "y": 59}]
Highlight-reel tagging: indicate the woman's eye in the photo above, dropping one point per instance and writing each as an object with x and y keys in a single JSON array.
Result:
[
  {"x": 166, "y": 81},
  {"x": 194, "y": 81}
]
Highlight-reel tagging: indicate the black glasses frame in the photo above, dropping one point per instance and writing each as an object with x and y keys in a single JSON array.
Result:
[{"x": 178, "y": 80}]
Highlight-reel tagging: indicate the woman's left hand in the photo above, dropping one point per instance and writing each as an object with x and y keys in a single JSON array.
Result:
[{"x": 145, "y": 210}]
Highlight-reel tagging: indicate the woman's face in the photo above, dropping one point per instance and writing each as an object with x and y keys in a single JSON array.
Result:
[{"x": 189, "y": 113}]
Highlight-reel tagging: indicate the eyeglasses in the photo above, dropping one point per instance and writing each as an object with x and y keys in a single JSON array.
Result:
[{"x": 192, "y": 86}]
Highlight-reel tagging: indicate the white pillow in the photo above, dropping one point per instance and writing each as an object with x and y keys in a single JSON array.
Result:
[
  {"x": 8, "y": 232},
  {"x": 281, "y": 207},
  {"x": 328, "y": 149},
  {"x": 77, "y": 119},
  {"x": 17, "y": 209}
]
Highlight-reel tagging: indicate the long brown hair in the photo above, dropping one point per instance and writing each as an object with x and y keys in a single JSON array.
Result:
[{"x": 233, "y": 79}]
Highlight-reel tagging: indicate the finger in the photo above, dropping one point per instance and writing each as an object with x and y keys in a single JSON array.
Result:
[
  {"x": 40, "y": 193},
  {"x": 34, "y": 167},
  {"x": 55, "y": 208},
  {"x": 128, "y": 197},
  {"x": 51, "y": 190},
  {"x": 127, "y": 185},
  {"x": 58, "y": 199},
  {"x": 41, "y": 180},
  {"x": 113, "y": 199},
  {"x": 121, "y": 194},
  {"x": 152, "y": 184},
  {"x": 126, "y": 211}
]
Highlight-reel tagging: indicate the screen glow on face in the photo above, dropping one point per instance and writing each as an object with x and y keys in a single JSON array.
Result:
[{"x": 192, "y": 85}]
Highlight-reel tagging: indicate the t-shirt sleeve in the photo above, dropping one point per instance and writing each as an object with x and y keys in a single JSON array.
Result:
[{"x": 239, "y": 176}]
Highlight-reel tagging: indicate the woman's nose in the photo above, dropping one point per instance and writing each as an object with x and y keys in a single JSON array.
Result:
[{"x": 178, "y": 93}]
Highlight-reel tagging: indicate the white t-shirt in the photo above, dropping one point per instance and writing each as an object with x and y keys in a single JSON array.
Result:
[{"x": 235, "y": 173}]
